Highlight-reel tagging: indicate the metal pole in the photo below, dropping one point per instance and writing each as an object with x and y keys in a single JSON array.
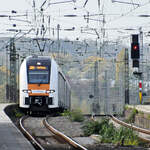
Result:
[
  {"x": 58, "y": 41},
  {"x": 106, "y": 94},
  {"x": 96, "y": 107},
  {"x": 13, "y": 66},
  {"x": 141, "y": 77},
  {"x": 18, "y": 57},
  {"x": 126, "y": 77},
  {"x": 7, "y": 81}
]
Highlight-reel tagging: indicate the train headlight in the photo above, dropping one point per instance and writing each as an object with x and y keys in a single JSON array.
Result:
[
  {"x": 50, "y": 91},
  {"x": 27, "y": 91}
]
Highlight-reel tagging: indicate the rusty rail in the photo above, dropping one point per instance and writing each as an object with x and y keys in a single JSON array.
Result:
[
  {"x": 28, "y": 135},
  {"x": 66, "y": 138},
  {"x": 145, "y": 131}
]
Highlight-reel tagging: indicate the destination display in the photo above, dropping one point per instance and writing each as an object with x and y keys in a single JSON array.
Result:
[{"x": 38, "y": 67}]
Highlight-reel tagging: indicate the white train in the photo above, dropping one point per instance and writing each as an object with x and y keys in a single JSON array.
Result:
[{"x": 43, "y": 86}]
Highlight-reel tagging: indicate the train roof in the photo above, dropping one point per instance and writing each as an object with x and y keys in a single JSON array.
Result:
[
  {"x": 38, "y": 58},
  {"x": 45, "y": 60}
]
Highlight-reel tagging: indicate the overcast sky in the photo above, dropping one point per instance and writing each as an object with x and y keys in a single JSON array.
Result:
[{"x": 118, "y": 17}]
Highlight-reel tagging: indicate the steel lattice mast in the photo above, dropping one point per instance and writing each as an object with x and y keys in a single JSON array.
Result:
[{"x": 13, "y": 72}]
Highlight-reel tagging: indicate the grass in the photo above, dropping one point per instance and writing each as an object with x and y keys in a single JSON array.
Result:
[
  {"x": 131, "y": 117},
  {"x": 17, "y": 113},
  {"x": 126, "y": 107},
  {"x": 109, "y": 134},
  {"x": 91, "y": 127},
  {"x": 148, "y": 117},
  {"x": 74, "y": 115}
]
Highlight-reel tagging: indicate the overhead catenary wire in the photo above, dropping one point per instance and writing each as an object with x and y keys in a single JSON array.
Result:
[
  {"x": 127, "y": 13},
  {"x": 61, "y": 18},
  {"x": 15, "y": 38}
]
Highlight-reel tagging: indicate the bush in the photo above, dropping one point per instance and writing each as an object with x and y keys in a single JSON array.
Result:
[
  {"x": 91, "y": 127},
  {"x": 76, "y": 115},
  {"x": 126, "y": 136},
  {"x": 66, "y": 113},
  {"x": 95, "y": 127},
  {"x": 131, "y": 117},
  {"x": 109, "y": 134}
]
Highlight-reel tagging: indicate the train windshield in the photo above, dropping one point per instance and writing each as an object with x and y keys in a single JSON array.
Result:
[{"x": 38, "y": 76}]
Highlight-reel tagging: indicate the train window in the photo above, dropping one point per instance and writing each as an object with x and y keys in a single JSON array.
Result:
[{"x": 38, "y": 76}]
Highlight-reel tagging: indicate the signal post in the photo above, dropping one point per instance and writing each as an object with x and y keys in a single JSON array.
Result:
[{"x": 135, "y": 56}]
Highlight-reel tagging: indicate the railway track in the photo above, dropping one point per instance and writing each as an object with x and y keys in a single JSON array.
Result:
[
  {"x": 143, "y": 134},
  {"x": 45, "y": 137}
]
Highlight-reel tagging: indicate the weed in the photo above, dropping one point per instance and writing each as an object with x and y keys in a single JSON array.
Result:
[
  {"x": 141, "y": 113},
  {"x": 126, "y": 107},
  {"x": 148, "y": 117},
  {"x": 66, "y": 113},
  {"x": 126, "y": 136},
  {"x": 17, "y": 113},
  {"x": 91, "y": 127},
  {"x": 131, "y": 117},
  {"x": 76, "y": 115},
  {"x": 109, "y": 134}
]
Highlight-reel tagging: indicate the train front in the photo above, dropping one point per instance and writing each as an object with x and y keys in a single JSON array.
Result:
[{"x": 35, "y": 75}]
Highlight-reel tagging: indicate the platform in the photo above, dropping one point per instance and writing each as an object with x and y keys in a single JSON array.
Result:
[
  {"x": 10, "y": 137},
  {"x": 143, "y": 108}
]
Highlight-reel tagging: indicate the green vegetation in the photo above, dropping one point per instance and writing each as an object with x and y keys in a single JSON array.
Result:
[
  {"x": 126, "y": 107},
  {"x": 74, "y": 115},
  {"x": 131, "y": 117},
  {"x": 66, "y": 113},
  {"x": 109, "y": 134},
  {"x": 148, "y": 117},
  {"x": 18, "y": 113},
  {"x": 141, "y": 113},
  {"x": 91, "y": 127}
]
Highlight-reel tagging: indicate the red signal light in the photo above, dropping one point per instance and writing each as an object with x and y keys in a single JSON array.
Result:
[
  {"x": 135, "y": 52},
  {"x": 135, "y": 47}
]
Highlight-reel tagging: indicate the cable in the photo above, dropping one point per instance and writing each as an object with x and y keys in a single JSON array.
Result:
[
  {"x": 8, "y": 42},
  {"x": 125, "y": 14}
]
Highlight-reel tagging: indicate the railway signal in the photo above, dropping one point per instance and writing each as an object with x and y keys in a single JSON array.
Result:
[
  {"x": 135, "y": 51},
  {"x": 135, "y": 48},
  {"x": 135, "y": 63}
]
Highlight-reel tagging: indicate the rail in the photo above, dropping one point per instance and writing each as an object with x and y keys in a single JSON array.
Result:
[
  {"x": 53, "y": 130},
  {"x": 66, "y": 138},
  {"x": 140, "y": 130},
  {"x": 28, "y": 135}
]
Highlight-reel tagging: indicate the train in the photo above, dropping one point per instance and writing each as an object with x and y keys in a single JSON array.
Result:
[{"x": 43, "y": 87}]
